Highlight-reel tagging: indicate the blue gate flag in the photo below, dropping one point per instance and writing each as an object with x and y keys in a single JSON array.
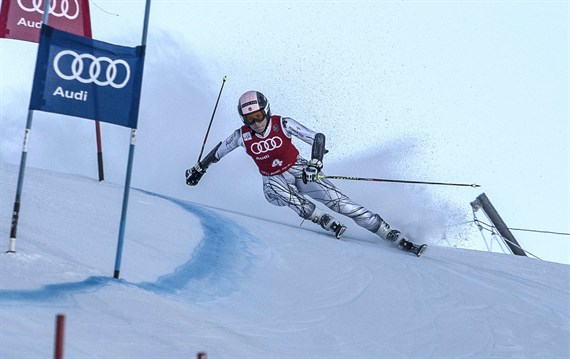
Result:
[{"x": 82, "y": 77}]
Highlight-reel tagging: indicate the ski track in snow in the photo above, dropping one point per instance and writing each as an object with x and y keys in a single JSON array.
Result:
[{"x": 472, "y": 309}]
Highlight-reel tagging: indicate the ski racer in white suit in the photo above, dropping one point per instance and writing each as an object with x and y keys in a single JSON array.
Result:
[{"x": 288, "y": 178}]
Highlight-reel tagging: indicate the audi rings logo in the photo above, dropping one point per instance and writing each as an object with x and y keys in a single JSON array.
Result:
[
  {"x": 267, "y": 145},
  {"x": 95, "y": 73},
  {"x": 57, "y": 8}
]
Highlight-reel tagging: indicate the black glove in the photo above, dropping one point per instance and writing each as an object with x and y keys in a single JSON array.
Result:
[
  {"x": 311, "y": 172},
  {"x": 194, "y": 174}
]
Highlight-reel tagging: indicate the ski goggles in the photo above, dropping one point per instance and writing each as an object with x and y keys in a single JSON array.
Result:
[{"x": 254, "y": 117}]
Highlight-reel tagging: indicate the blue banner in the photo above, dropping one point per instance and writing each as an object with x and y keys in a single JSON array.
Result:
[{"x": 86, "y": 78}]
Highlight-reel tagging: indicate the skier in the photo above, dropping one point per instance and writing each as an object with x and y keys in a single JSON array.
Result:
[{"x": 288, "y": 178}]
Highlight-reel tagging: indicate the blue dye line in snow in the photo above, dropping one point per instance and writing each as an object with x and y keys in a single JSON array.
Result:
[
  {"x": 56, "y": 291},
  {"x": 219, "y": 257}
]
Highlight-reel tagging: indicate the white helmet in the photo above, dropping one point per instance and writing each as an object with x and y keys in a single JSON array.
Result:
[{"x": 253, "y": 101}]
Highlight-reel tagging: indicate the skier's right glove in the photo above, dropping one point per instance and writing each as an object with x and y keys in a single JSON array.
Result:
[
  {"x": 194, "y": 174},
  {"x": 311, "y": 172}
]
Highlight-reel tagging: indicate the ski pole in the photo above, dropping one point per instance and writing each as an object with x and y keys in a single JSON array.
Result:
[
  {"x": 474, "y": 185},
  {"x": 211, "y": 119}
]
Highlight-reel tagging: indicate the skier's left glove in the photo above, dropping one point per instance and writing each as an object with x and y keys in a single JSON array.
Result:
[
  {"x": 194, "y": 174},
  {"x": 311, "y": 172}
]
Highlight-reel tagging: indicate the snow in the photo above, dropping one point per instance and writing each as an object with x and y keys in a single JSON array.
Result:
[
  {"x": 198, "y": 278},
  {"x": 445, "y": 91}
]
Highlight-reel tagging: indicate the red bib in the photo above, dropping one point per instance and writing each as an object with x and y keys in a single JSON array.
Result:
[{"x": 273, "y": 154}]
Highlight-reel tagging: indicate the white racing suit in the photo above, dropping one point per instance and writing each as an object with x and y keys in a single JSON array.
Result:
[{"x": 282, "y": 181}]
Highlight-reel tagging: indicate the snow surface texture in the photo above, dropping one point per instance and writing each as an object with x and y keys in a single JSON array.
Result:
[{"x": 202, "y": 279}]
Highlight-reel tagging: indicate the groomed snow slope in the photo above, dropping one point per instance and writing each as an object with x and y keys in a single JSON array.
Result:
[{"x": 196, "y": 278}]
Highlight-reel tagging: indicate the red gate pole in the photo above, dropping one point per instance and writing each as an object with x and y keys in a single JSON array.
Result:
[
  {"x": 88, "y": 33},
  {"x": 59, "y": 336},
  {"x": 99, "y": 152}
]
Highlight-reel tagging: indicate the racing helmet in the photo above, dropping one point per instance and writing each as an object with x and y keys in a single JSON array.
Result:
[{"x": 253, "y": 101}]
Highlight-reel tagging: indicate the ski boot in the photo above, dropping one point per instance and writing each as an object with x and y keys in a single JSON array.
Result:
[
  {"x": 327, "y": 222},
  {"x": 399, "y": 239},
  {"x": 410, "y": 247},
  {"x": 338, "y": 229}
]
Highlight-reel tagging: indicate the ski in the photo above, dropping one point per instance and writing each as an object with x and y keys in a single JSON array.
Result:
[
  {"x": 411, "y": 247},
  {"x": 419, "y": 250}
]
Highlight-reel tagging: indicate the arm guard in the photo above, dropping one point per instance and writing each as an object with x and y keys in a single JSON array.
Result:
[
  {"x": 210, "y": 158},
  {"x": 318, "y": 150}
]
